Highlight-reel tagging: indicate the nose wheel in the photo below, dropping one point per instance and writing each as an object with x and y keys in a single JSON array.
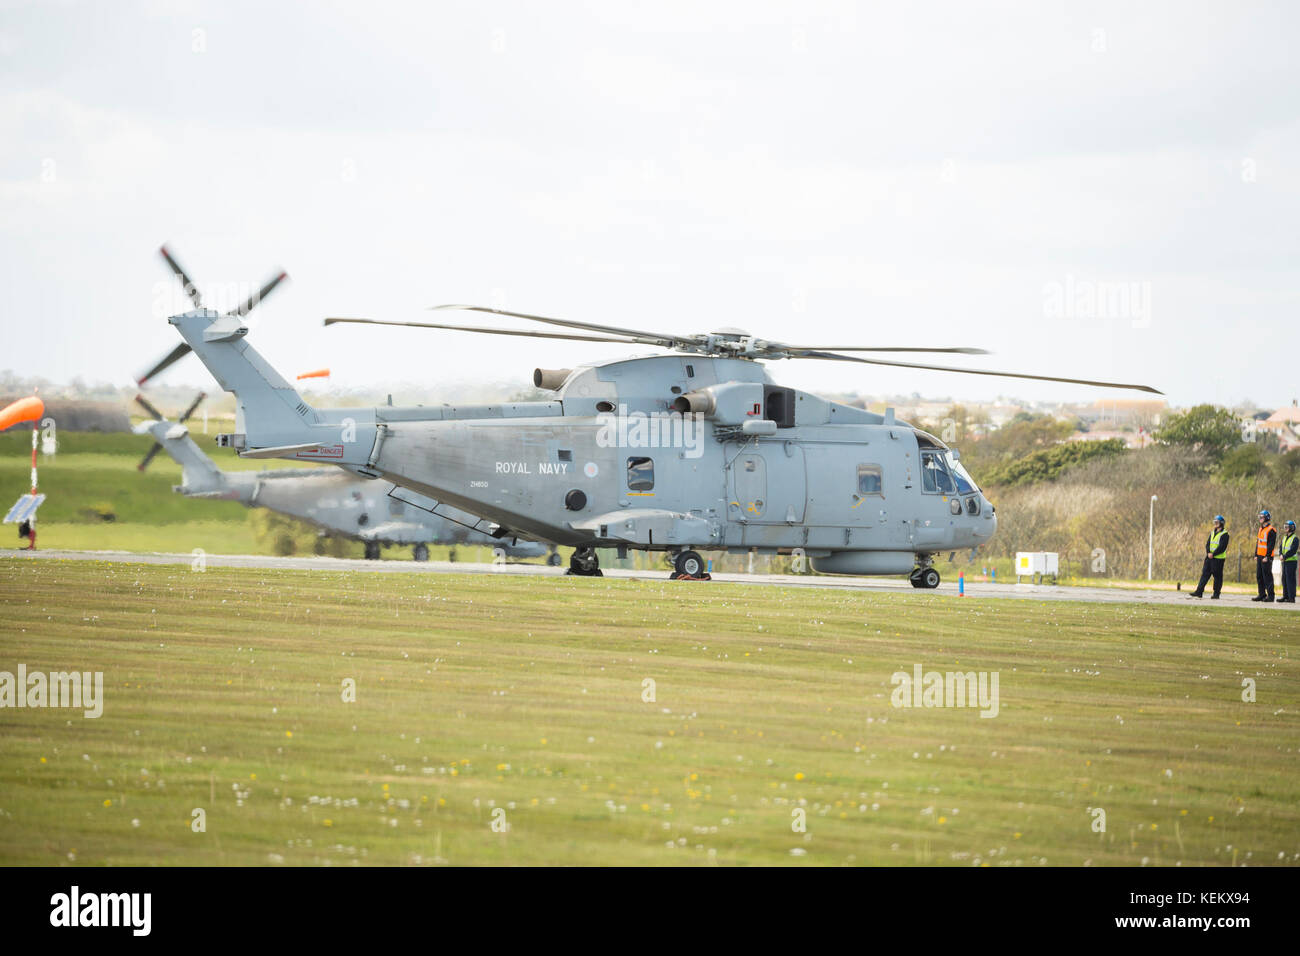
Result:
[
  {"x": 688, "y": 565},
  {"x": 585, "y": 563}
]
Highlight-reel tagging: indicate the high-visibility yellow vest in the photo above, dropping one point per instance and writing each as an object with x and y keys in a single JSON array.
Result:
[
  {"x": 1286, "y": 546},
  {"x": 1215, "y": 538}
]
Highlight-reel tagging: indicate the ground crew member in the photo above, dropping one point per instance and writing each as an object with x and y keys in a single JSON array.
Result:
[
  {"x": 1289, "y": 552},
  {"x": 1216, "y": 546},
  {"x": 1265, "y": 542}
]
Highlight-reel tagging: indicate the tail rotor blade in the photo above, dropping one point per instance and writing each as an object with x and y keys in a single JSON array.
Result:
[
  {"x": 190, "y": 288},
  {"x": 193, "y": 405},
  {"x": 149, "y": 456},
  {"x": 175, "y": 354},
  {"x": 259, "y": 295},
  {"x": 153, "y": 412}
]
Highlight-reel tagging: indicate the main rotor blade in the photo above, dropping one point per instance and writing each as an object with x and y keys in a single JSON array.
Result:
[
  {"x": 193, "y": 405},
  {"x": 153, "y": 412},
  {"x": 831, "y": 356},
  {"x": 881, "y": 348},
  {"x": 190, "y": 288},
  {"x": 148, "y": 456},
  {"x": 475, "y": 328},
  {"x": 636, "y": 335},
  {"x": 259, "y": 295},
  {"x": 177, "y": 353}
]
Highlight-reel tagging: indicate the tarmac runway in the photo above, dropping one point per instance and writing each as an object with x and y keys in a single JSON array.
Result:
[{"x": 975, "y": 590}]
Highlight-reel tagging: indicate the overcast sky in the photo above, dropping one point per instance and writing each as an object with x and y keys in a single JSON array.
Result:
[{"x": 1102, "y": 190}]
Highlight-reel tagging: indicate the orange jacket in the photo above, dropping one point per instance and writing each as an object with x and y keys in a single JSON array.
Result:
[{"x": 1264, "y": 543}]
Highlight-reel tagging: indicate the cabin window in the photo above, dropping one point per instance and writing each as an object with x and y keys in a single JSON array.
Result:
[
  {"x": 564, "y": 454},
  {"x": 871, "y": 480},
  {"x": 640, "y": 474},
  {"x": 935, "y": 477}
]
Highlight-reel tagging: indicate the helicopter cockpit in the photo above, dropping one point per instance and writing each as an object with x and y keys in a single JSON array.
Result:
[{"x": 942, "y": 473}]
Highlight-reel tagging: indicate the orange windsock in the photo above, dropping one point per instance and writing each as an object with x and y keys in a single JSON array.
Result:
[
  {"x": 24, "y": 410},
  {"x": 319, "y": 373}
]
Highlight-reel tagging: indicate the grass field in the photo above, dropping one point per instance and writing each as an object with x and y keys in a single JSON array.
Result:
[{"x": 478, "y": 694}]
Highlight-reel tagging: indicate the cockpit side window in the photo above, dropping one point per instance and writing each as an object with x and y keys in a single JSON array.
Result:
[{"x": 935, "y": 477}]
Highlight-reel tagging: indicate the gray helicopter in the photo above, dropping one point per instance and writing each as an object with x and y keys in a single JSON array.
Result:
[
  {"x": 328, "y": 498},
  {"x": 698, "y": 450}
]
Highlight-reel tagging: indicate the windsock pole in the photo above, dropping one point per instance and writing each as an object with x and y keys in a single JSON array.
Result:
[{"x": 31, "y": 522}]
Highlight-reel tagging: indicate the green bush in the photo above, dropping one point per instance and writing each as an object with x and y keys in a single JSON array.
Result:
[
  {"x": 1210, "y": 428},
  {"x": 1244, "y": 464},
  {"x": 1048, "y": 464}
]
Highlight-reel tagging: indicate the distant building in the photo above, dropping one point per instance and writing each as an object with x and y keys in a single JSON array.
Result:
[
  {"x": 999, "y": 415},
  {"x": 1285, "y": 424},
  {"x": 1138, "y": 438},
  {"x": 1127, "y": 411}
]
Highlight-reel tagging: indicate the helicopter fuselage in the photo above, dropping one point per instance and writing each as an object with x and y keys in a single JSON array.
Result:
[{"x": 625, "y": 460}]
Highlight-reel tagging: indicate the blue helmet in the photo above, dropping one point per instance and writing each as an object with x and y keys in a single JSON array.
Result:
[
  {"x": 1220, "y": 519},
  {"x": 1265, "y": 514},
  {"x": 1291, "y": 524}
]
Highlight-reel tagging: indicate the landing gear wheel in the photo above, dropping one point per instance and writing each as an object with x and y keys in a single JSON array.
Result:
[
  {"x": 372, "y": 550},
  {"x": 585, "y": 563},
  {"x": 689, "y": 564},
  {"x": 929, "y": 578},
  {"x": 421, "y": 552},
  {"x": 554, "y": 559}
]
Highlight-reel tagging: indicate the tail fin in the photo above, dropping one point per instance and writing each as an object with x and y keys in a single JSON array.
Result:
[
  {"x": 269, "y": 411},
  {"x": 200, "y": 474}
]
